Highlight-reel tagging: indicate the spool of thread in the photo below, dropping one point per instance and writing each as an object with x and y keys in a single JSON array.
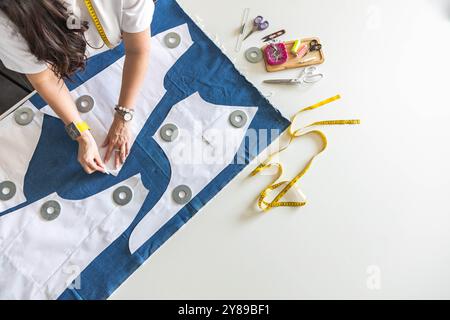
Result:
[
  {"x": 295, "y": 47},
  {"x": 302, "y": 51}
]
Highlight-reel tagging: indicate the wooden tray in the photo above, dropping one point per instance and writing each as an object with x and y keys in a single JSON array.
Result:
[{"x": 293, "y": 62}]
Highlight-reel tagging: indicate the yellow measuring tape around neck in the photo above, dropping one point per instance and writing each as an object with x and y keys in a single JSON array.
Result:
[
  {"x": 293, "y": 134},
  {"x": 97, "y": 23}
]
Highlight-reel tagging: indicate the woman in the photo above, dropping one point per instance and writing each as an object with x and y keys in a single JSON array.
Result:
[{"x": 50, "y": 40}]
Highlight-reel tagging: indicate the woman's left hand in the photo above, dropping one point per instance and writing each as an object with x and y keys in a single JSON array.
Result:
[{"x": 118, "y": 141}]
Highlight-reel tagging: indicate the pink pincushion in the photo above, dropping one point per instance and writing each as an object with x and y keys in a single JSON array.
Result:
[{"x": 276, "y": 53}]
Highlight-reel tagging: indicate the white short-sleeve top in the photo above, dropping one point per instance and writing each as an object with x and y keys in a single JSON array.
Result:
[{"x": 116, "y": 17}]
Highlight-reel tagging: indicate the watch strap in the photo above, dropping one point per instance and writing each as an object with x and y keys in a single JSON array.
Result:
[
  {"x": 120, "y": 108},
  {"x": 82, "y": 126},
  {"x": 125, "y": 113}
]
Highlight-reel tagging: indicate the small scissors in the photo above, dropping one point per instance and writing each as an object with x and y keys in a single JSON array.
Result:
[
  {"x": 314, "y": 45},
  {"x": 259, "y": 24},
  {"x": 308, "y": 76},
  {"x": 273, "y": 35}
]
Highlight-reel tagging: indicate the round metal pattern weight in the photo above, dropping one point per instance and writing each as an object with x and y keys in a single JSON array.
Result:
[
  {"x": 123, "y": 195},
  {"x": 50, "y": 210},
  {"x": 85, "y": 104},
  {"x": 169, "y": 132},
  {"x": 7, "y": 190},
  {"x": 254, "y": 55},
  {"x": 172, "y": 40},
  {"x": 24, "y": 116},
  {"x": 238, "y": 118},
  {"x": 182, "y": 194}
]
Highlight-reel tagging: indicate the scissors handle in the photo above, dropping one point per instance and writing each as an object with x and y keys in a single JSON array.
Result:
[
  {"x": 258, "y": 20},
  {"x": 314, "y": 45},
  {"x": 260, "y": 24},
  {"x": 312, "y": 78},
  {"x": 263, "y": 25}
]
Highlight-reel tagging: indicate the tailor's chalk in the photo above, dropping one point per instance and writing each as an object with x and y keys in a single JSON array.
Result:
[{"x": 307, "y": 60}]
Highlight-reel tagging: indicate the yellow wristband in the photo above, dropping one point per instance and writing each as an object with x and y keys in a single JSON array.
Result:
[{"x": 82, "y": 126}]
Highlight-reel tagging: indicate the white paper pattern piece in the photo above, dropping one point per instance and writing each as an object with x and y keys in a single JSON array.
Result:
[
  {"x": 105, "y": 89},
  {"x": 18, "y": 143},
  {"x": 206, "y": 144},
  {"x": 40, "y": 258}
]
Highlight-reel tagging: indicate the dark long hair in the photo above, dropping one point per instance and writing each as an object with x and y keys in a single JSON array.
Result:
[{"x": 43, "y": 24}]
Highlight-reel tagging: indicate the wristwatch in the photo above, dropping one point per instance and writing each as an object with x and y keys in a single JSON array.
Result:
[
  {"x": 126, "y": 114},
  {"x": 74, "y": 130}
]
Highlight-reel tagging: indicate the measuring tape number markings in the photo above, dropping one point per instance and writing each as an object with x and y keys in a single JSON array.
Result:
[
  {"x": 265, "y": 205},
  {"x": 97, "y": 23}
]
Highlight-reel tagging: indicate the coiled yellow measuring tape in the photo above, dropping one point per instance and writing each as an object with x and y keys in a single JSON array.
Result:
[
  {"x": 293, "y": 134},
  {"x": 97, "y": 23}
]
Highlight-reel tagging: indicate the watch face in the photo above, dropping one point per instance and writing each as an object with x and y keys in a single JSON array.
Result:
[
  {"x": 73, "y": 131},
  {"x": 128, "y": 117}
]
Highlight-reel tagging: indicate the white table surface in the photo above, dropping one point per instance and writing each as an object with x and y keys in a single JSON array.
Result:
[{"x": 377, "y": 224}]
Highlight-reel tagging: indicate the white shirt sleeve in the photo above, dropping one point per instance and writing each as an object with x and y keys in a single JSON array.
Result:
[
  {"x": 137, "y": 15},
  {"x": 14, "y": 51}
]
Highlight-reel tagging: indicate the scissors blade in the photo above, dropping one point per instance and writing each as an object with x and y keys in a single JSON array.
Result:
[
  {"x": 249, "y": 34},
  {"x": 282, "y": 81}
]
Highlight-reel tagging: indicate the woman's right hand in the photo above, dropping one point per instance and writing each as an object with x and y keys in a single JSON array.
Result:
[{"x": 88, "y": 154}]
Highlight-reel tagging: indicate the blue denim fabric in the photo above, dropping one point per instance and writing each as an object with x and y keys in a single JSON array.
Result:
[{"x": 203, "y": 68}]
